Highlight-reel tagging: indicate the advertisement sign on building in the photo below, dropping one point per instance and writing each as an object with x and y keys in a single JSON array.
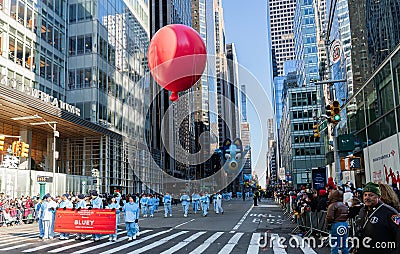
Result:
[
  {"x": 382, "y": 161},
  {"x": 335, "y": 51},
  {"x": 319, "y": 178}
]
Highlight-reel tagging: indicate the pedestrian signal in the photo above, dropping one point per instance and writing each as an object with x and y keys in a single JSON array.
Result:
[
  {"x": 24, "y": 150},
  {"x": 2, "y": 142}
]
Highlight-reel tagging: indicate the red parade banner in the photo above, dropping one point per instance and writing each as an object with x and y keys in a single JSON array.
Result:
[{"x": 94, "y": 221}]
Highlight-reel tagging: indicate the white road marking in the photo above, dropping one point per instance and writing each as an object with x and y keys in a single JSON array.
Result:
[
  {"x": 231, "y": 244},
  {"x": 182, "y": 244},
  {"x": 207, "y": 243},
  {"x": 242, "y": 219},
  {"x": 254, "y": 246},
  {"x": 158, "y": 243}
]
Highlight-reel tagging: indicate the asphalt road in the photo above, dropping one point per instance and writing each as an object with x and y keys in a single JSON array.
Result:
[{"x": 242, "y": 228}]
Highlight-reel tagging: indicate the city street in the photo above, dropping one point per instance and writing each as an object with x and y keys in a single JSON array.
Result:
[{"x": 241, "y": 229}]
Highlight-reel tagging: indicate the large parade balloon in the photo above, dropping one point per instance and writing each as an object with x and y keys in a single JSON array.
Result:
[{"x": 177, "y": 58}]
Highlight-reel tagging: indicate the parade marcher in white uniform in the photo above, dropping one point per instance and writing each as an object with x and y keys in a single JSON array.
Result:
[
  {"x": 195, "y": 202},
  {"x": 205, "y": 201},
  {"x": 143, "y": 203},
  {"x": 167, "y": 200},
  {"x": 64, "y": 204},
  {"x": 113, "y": 205},
  {"x": 219, "y": 204},
  {"x": 48, "y": 209},
  {"x": 131, "y": 211},
  {"x": 185, "y": 199},
  {"x": 78, "y": 206},
  {"x": 97, "y": 203}
]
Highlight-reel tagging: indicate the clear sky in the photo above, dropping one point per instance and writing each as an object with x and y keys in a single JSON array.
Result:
[{"x": 246, "y": 27}]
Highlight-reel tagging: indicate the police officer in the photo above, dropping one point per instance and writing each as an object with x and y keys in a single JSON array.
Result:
[
  {"x": 64, "y": 204},
  {"x": 167, "y": 205},
  {"x": 219, "y": 203},
  {"x": 185, "y": 200},
  {"x": 114, "y": 206},
  {"x": 81, "y": 203},
  {"x": 97, "y": 203},
  {"x": 131, "y": 211},
  {"x": 205, "y": 201},
  {"x": 379, "y": 223}
]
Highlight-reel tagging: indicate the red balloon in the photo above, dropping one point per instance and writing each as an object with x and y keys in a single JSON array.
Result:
[{"x": 177, "y": 58}]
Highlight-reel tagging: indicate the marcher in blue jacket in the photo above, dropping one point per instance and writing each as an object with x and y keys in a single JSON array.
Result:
[
  {"x": 96, "y": 203},
  {"x": 64, "y": 204},
  {"x": 131, "y": 211},
  {"x": 167, "y": 200},
  {"x": 115, "y": 207},
  {"x": 78, "y": 206},
  {"x": 185, "y": 199},
  {"x": 39, "y": 215}
]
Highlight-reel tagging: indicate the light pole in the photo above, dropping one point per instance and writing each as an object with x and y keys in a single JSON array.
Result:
[{"x": 56, "y": 134}]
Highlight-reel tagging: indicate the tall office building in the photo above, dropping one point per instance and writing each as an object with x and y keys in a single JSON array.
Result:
[
  {"x": 107, "y": 66},
  {"x": 205, "y": 100},
  {"x": 305, "y": 41},
  {"x": 179, "y": 123},
  {"x": 94, "y": 113},
  {"x": 281, "y": 13}
]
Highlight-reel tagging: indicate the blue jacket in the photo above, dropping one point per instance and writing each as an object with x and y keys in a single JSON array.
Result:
[
  {"x": 81, "y": 204},
  {"x": 150, "y": 201},
  {"x": 66, "y": 203},
  {"x": 114, "y": 205},
  {"x": 195, "y": 198},
  {"x": 204, "y": 199},
  {"x": 156, "y": 201},
  {"x": 167, "y": 199},
  {"x": 97, "y": 203},
  {"x": 185, "y": 199},
  {"x": 144, "y": 200},
  {"x": 131, "y": 211}
]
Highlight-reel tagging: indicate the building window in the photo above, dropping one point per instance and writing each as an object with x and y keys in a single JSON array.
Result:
[{"x": 72, "y": 13}]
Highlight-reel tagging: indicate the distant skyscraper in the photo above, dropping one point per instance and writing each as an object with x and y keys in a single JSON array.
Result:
[
  {"x": 243, "y": 103},
  {"x": 306, "y": 48},
  {"x": 281, "y": 14}
]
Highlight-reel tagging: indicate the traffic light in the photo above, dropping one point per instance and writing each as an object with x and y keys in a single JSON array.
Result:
[
  {"x": 336, "y": 111},
  {"x": 2, "y": 142},
  {"x": 329, "y": 113},
  {"x": 16, "y": 148},
  {"x": 24, "y": 150},
  {"x": 316, "y": 131}
]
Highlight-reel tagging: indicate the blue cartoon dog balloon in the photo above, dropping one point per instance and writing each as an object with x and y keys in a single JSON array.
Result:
[{"x": 232, "y": 155}]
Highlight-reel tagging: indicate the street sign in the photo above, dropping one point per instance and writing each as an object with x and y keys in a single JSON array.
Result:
[
  {"x": 346, "y": 143},
  {"x": 44, "y": 179},
  {"x": 322, "y": 126}
]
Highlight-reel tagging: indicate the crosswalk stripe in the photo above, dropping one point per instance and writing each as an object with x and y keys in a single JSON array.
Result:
[
  {"x": 231, "y": 243},
  {"x": 21, "y": 235},
  {"x": 254, "y": 246},
  {"x": 78, "y": 244},
  {"x": 16, "y": 246},
  {"x": 158, "y": 243},
  {"x": 304, "y": 247},
  {"x": 49, "y": 245},
  {"x": 276, "y": 246},
  {"x": 16, "y": 241},
  {"x": 131, "y": 243},
  {"x": 108, "y": 243},
  {"x": 183, "y": 243},
  {"x": 207, "y": 243}
]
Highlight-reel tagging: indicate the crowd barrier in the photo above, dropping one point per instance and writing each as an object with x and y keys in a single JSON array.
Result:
[{"x": 308, "y": 223}]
